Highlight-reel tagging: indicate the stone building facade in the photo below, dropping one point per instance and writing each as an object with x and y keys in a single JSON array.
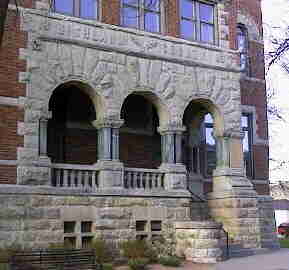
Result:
[{"x": 121, "y": 119}]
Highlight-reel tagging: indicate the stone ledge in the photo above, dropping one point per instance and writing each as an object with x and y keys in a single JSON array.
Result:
[{"x": 47, "y": 190}]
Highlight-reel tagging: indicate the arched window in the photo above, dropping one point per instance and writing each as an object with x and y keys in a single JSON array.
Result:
[{"x": 242, "y": 46}]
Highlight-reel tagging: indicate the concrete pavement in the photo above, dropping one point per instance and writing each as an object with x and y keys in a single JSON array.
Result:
[{"x": 276, "y": 260}]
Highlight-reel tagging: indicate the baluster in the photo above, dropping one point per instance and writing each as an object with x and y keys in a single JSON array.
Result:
[
  {"x": 93, "y": 180},
  {"x": 159, "y": 181},
  {"x": 142, "y": 180},
  {"x": 162, "y": 180},
  {"x": 131, "y": 179},
  {"x": 148, "y": 180},
  {"x": 86, "y": 180},
  {"x": 79, "y": 178},
  {"x": 135, "y": 177},
  {"x": 65, "y": 176},
  {"x": 125, "y": 180},
  {"x": 58, "y": 177},
  {"x": 72, "y": 178}
]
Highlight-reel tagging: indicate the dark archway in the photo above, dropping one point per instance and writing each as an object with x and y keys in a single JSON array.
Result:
[
  {"x": 140, "y": 143},
  {"x": 199, "y": 147},
  {"x": 71, "y": 137}
]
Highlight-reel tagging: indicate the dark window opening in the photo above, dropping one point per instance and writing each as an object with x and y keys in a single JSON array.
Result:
[
  {"x": 140, "y": 225},
  {"x": 86, "y": 226},
  {"x": 69, "y": 226},
  {"x": 70, "y": 242},
  {"x": 86, "y": 241},
  {"x": 156, "y": 226}
]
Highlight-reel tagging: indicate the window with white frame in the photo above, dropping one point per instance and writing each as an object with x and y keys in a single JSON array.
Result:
[
  {"x": 142, "y": 14},
  {"x": 86, "y": 9},
  {"x": 197, "y": 20}
]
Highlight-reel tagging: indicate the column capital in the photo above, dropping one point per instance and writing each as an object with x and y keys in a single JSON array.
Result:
[
  {"x": 107, "y": 123},
  {"x": 231, "y": 135},
  {"x": 171, "y": 129}
]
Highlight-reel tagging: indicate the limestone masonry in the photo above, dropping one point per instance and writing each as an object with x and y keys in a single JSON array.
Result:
[{"x": 130, "y": 127}]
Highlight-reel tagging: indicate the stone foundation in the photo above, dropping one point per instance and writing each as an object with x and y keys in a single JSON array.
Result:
[
  {"x": 267, "y": 223},
  {"x": 199, "y": 242},
  {"x": 34, "y": 217}
]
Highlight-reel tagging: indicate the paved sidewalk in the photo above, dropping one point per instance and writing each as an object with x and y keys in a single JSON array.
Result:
[{"x": 276, "y": 260}]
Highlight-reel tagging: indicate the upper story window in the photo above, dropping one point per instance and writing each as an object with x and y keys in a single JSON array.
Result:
[
  {"x": 142, "y": 14},
  {"x": 87, "y": 9},
  {"x": 197, "y": 21},
  {"x": 242, "y": 45}
]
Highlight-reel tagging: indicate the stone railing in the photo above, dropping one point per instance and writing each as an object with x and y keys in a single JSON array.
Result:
[
  {"x": 75, "y": 176},
  {"x": 143, "y": 179}
]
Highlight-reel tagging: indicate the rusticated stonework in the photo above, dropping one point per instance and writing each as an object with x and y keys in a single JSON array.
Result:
[{"x": 112, "y": 63}]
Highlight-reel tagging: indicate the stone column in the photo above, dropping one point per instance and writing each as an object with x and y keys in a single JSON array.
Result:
[
  {"x": 234, "y": 200},
  {"x": 110, "y": 168},
  {"x": 175, "y": 171}
]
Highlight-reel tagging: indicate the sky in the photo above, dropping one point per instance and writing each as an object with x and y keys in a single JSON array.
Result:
[{"x": 276, "y": 20}]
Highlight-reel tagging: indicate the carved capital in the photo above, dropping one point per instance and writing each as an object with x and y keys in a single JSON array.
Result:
[
  {"x": 171, "y": 129},
  {"x": 107, "y": 123}
]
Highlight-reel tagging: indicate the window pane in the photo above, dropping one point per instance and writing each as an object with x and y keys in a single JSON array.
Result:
[
  {"x": 130, "y": 17},
  {"x": 86, "y": 226},
  {"x": 64, "y": 6},
  {"x": 152, "y": 5},
  {"x": 207, "y": 33},
  {"x": 131, "y": 2},
  {"x": 209, "y": 136},
  {"x": 246, "y": 146},
  {"x": 152, "y": 22},
  {"x": 206, "y": 13},
  {"x": 69, "y": 227},
  {"x": 187, "y": 8},
  {"x": 88, "y": 9},
  {"x": 209, "y": 119},
  {"x": 187, "y": 29},
  {"x": 244, "y": 121}
]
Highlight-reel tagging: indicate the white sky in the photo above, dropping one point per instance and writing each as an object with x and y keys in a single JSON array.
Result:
[{"x": 276, "y": 14}]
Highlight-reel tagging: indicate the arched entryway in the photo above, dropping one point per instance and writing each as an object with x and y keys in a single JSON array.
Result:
[
  {"x": 71, "y": 137},
  {"x": 199, "y": 145},
  {"x": 140, "y": 142}
]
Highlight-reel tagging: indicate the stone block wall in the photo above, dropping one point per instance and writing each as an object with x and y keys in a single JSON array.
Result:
[
  {"x": 267, "y": 222},
  {"x": 35, "y": 218}
]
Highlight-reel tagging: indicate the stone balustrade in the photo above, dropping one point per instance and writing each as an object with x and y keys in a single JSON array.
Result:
[
  {"x": 143, "y": 179},
  {"x": 75, "y": 176}
]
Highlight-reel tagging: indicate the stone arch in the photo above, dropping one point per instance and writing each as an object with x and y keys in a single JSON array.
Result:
[
  {"x": 161, "y": 107},
  {"x": 210, "y": 107},
  {"x": 86, "y": 88}
]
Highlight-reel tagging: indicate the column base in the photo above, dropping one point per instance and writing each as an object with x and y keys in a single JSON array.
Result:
[
  {"x": 234, "y": 203},
  {"x": 175, "y": 176},
  {"x": 110, "y": 174}
]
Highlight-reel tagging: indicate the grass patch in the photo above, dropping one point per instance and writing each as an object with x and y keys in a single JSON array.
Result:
[{"x": 284, "y": 243}]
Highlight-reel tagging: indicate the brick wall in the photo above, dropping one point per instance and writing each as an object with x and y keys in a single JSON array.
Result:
[
  {"x": 10, "y": 64},
  {"x": 9, "y": 140},
  {"x": 7, "y": 174}
]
